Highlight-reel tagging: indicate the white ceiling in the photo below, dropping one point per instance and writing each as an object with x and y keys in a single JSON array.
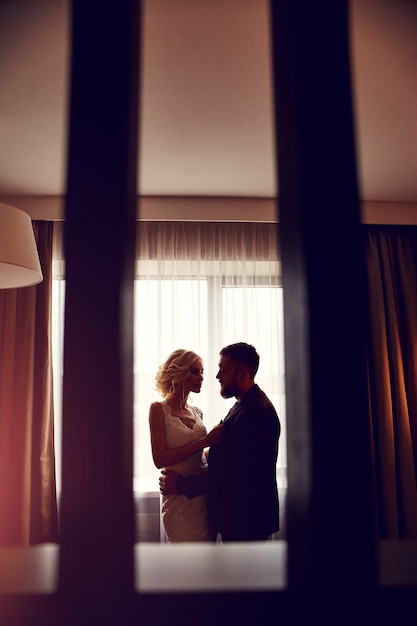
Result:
[{"x": 206, "y": 107}]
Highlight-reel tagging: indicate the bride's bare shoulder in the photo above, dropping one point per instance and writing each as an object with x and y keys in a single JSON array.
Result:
[{"x": 156, "y": 409}]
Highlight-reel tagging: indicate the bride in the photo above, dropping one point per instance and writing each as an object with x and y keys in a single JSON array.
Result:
[{"x": 178, "y": 439}]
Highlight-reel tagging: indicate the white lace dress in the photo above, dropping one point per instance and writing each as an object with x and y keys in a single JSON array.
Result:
[{"x": 185, "y": 519}]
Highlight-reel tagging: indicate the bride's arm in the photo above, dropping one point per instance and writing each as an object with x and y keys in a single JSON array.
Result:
[{"x": 161, "y": 454}]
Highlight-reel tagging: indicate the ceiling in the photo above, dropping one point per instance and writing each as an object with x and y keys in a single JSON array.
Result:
[{"x": 206, "y": 103}]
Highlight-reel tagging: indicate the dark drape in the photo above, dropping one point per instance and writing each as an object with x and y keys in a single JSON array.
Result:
[
  {"x": 391, "y": 254},
  {"x": 28, "y": 507}
]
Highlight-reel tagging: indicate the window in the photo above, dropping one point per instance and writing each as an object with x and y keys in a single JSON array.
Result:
[{"x": 181, "y": 309}]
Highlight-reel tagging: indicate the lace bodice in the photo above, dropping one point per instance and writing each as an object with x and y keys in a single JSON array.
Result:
[{"x": 178, "y": 435}]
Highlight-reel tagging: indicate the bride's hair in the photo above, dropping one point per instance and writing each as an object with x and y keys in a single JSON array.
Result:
[{"x": 174, "y": 371}]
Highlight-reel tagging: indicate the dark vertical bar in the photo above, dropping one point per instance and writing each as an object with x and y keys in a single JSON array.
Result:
[
  {"x": 97, "y": 522},
  {"x": 330, "y": 513}
]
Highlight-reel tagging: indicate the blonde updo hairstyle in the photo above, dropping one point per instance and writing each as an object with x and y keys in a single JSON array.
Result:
[{"x": 174, "y": 371}]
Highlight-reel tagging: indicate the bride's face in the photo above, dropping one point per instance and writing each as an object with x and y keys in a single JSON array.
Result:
[{"x": 194, "y": 379}]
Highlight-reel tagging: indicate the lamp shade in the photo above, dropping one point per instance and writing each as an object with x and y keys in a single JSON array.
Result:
[{"x": 19, "y": 260}]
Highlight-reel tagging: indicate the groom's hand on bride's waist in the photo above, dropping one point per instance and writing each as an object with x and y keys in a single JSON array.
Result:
[{"x": 168, "y": 482}]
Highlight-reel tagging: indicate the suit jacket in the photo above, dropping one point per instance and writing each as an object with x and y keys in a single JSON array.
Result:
[{"x": 242, "y": 495}]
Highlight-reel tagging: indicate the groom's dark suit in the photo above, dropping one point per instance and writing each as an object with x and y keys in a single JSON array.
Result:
[{"x": 242, "y": 496}]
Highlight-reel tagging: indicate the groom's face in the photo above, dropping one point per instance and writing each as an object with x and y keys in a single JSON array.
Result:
[{"x": 227, "y": 377}]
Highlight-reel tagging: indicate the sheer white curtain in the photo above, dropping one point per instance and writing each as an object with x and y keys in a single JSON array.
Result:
[{"x": 201, "y": 286}]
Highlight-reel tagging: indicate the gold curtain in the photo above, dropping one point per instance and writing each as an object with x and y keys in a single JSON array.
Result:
[
  {"x": 28, "y": 507},
  {"x": 391, "y": 254}
]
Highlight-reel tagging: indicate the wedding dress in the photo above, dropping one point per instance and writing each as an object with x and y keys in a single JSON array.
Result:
[{"x": 185, "y": 519}]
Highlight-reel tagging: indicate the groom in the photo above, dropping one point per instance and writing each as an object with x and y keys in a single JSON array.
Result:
[{"x": 242, "y": 495}]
